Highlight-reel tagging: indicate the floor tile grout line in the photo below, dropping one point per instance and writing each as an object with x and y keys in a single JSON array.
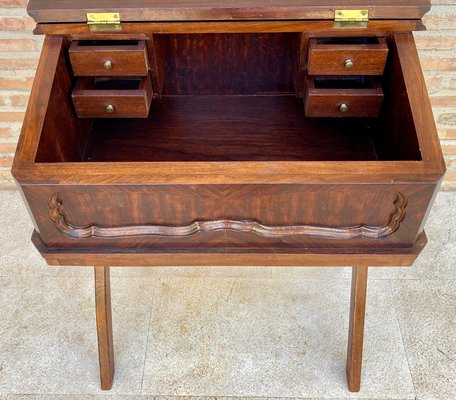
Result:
[
  {"x": 90, "y": 396},
  {"x": 155, "y": 279},
  {"x": 402, "y": 336}
]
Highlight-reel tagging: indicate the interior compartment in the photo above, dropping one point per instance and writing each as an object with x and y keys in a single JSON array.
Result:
[
  {"x": 106, "y": 43},
  {"x": 109, "y": 83},
  {"x": 348, "y": 40},
  {"x": 346, "y": 82},
  {"x": 230, "y": 97}
]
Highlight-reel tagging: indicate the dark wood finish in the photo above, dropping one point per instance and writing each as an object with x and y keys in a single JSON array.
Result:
[
  {"x": 104, "y": 326},
  {"x": 227, "y": 168},
  {"x": 60, "y": 116},
  {"x": 255, "y": 227},
  {"x": 112, "y": 205},
  {"x": 126, "y": 58},
  {"x": 157, "y": 61},
  {"x": 328, "y": 102},
  {"x": 328, "y": 56},
  {"x": 129, "y": 98},
  {"x": 375, "y": 27},
  {"x": 238, "y": 64},
  {"x": 48, "y": 116},
  {"x": 199, "y": 10},
  {"x": 229, "y": 128},
  {"x": 393, "y": 257},
  {"x": 356, "y": 327}
]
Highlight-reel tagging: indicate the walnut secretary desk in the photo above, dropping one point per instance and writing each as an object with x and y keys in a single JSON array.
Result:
[{"x": 205, "y": 133}]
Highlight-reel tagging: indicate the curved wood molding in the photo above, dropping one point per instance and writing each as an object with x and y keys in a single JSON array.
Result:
[{"x": 352, "y": 232}]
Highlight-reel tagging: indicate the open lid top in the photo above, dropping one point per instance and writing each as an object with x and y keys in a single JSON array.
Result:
[{"x": 51, "y": 11}]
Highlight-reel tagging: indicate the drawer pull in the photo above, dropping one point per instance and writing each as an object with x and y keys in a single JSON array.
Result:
[
  {"x": 107, "y": 64},
  {"x": 343, "y": 233},
  {"x": 348, "y": 64},
  {"x": 110, "y": 109},
  {"x": 343, "y": 108}
]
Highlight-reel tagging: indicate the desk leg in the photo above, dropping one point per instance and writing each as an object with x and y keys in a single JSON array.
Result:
[
  {"x": 104, "y": 326},
  {"x": 356, "y": 329}
]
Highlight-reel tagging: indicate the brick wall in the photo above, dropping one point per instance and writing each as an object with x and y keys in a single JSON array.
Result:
[{"x": 19, "y": 51}]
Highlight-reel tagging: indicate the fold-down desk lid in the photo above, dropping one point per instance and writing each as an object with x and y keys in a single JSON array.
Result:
[{"x": 51, "y": 11}]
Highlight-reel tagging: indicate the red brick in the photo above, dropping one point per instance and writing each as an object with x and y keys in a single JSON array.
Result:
[
  {"x": 439, "y": 22},
  {"x": 11, "y": 116},
  {"x": 5, "y": 132},
  {"x": 17, "y": 24},
  {"x": 450, "y": 177},
  {"x": 435, "y": 42},
  {"x": 19, "y": 101},
  {"x": 449, "y": 133},
  {"x": 17, "y": 45},
  {"x": 7, "y": 64},
  {"x": 7, "y": 147},
  {"x": 452, "y": 83},
  {"x": 6, "y": 161},
  {"x": 13, "y": 3},
  {"x": 16, "y": 84},
  {"x": 443, "y": 101},
  {"x": 449, "y": 149},
  {"x": 433, "y": 83},
  {"x": 438, "y": 64}
]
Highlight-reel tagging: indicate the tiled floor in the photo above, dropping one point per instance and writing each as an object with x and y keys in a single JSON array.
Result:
[{"x": 226, "y": 333}]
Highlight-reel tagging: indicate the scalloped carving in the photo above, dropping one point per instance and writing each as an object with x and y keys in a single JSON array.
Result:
[{"x": 352, "y": 232}]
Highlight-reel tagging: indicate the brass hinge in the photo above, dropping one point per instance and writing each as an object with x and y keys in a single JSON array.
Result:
[
  {"x": 351, "y": 18},
  {"x": 104, "y": 21}
]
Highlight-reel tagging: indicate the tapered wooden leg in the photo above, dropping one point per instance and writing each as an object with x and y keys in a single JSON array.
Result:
[
  {"x": 356, "y": 329},
  {"x": 104, "y": 326}
]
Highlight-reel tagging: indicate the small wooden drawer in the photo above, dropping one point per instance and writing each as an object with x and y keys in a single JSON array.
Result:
[
  {"x": 347, "y": 56},
  {"x": 109, "y": 58},
  {"x": 343, "y": 97},
  {"x": 113, "y": 97}
]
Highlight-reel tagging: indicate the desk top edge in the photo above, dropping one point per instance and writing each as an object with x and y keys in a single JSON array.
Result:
[{"x": 69, "y": 11}]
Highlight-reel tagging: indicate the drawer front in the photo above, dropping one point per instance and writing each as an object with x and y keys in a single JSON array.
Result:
[
  {"x": 343, "y": 102},
  {"x": 112, "y": 98},
  {"x": 327, "y": 58},
  {"x": 106, "y": 58},
  {"x": 342, "y": 105},
  {"x": 246, "y": 217}
]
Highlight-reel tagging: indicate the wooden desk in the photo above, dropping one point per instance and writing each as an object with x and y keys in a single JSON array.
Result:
[{"x": 212, "y": 134}]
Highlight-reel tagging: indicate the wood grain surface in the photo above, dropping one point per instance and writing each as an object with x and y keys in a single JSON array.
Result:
[
  {"x": 327, "y": 101},
  {"x": 88, "y": 58},
  {"x": 393, "y": 257},
  {"x": 91, "y": 101},
  {"x": 356, "y": 327},
  {"x": 229, "y": 128},
  {"x": 199, "y": 10},
  {"x": 104, "y": 326},
  {"x": 329, "y": 58},
  {"x": 343, "y": 233},
  {"x": 374, "y": 27}
]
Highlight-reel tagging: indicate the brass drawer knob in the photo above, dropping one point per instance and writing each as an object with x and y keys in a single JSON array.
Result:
[
  {"x": 348, "y": 64},
  {"x": 343, "y": 108},
  {"x": 107, "y": 64},
  {"x": 110, "y": 109}
]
